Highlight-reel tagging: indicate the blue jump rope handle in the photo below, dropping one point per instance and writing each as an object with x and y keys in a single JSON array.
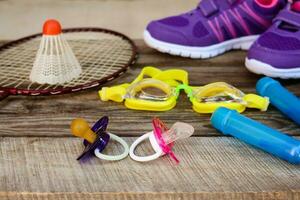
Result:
[
  {"x": 230, "y": 122},
  {"x": 280, "y": 97}
]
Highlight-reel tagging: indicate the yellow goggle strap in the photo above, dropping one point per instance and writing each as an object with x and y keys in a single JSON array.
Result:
[
  {"x": 149, "y": 71},
  {"x": 172, "y": 77},
  {"x": 115, "y": 93},
  {"x": 255, "y": 101}
]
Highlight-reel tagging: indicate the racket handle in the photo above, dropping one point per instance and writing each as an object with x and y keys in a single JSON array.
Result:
[
  {"x": 280, "y": 97},
  {"x": 3, "y": 94},
  {"x": 254, "y": 133}
]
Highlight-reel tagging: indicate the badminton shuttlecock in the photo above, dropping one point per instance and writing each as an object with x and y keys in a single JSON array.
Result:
[{"x": 55, "y": 62}]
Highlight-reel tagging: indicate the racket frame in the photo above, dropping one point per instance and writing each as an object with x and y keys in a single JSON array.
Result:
[{"x": 6, "y": 91}]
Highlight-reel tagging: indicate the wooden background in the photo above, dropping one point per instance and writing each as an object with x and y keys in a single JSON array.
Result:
[
  {"x": 22, "y": 17},
  {"x": 38, "y": 153}
]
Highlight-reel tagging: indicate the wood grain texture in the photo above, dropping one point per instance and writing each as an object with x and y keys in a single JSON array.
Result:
[
  {"x": 211, "y": 168},
  {"x": 52, "y": 115},
  {"x": 291, "y": 195},
  {"x": 37, "y": 152}
]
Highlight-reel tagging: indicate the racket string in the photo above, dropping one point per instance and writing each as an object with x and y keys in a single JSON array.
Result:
[{"x": 100, "y": 59}]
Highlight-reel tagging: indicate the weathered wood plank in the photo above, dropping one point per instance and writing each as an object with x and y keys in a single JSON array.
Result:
[
  {"x": 51, "y": 116},
  {"x": 157, "y": 196},
  {"x": 289, "y": 195},
  {"x": 210, "y": 168}
]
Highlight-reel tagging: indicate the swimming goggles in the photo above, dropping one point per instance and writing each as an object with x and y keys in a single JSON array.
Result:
[{"x": 158, "y": 90}]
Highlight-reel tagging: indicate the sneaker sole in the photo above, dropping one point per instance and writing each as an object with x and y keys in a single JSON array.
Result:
[
  {"x": 243, "y": 43},
  {"x": 259, "y": 67}
]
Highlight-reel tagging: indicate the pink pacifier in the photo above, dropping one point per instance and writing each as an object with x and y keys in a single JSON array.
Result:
[{"x": 162, "y": 140}]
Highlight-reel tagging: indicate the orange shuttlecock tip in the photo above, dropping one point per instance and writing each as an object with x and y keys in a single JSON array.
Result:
[
  {"x": 51, "y": 27},
  {"x": 80, "y": 128}
]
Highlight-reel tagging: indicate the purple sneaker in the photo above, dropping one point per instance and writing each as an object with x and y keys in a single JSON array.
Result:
[
  {"x": 277, "y": 52},
  {"x": 214, "y": 27}
]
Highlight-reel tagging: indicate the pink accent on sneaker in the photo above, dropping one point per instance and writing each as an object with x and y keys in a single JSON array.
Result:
[
  {"x": 235, "y": 13},
  {"x": 217, "y": 30},
  {"x": 266, "y": 3},
  {"x": 251, "y": 13},
  {"x": 228, "y": 24},
  {"x": 296, "y": 6}
]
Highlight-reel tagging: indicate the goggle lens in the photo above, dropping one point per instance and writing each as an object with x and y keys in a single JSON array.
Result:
[
  {"x": 150, "y": 90},
  {"x": 219, "y": 92}
]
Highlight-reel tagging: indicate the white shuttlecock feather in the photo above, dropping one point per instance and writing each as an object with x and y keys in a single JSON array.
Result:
[{"x": 55, "y": 62}]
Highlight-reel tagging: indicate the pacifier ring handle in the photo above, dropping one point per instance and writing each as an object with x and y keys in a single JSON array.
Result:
[
  {"x": 114, "y": 157},
  {"x": 158, "y": 153}
]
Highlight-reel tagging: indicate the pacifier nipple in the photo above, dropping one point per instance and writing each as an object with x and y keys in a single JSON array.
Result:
[
  {"x": 179, "y": 130},
  {"x": 80, "y": 128}
]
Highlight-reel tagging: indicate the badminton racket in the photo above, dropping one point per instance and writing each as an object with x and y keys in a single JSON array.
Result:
[{"x": 103, "y": 55}]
